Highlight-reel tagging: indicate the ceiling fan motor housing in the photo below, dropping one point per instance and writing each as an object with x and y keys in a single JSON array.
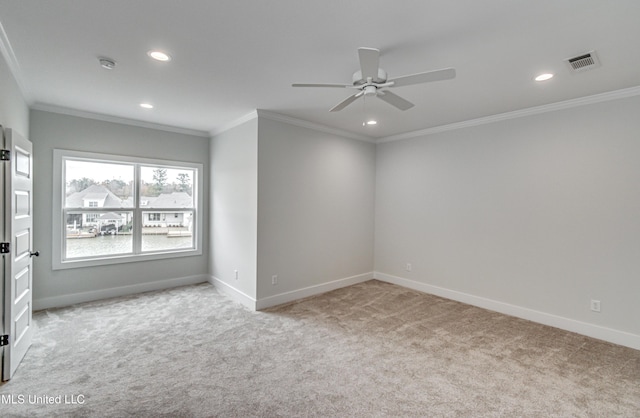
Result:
[{"x": 358, "y": 81}]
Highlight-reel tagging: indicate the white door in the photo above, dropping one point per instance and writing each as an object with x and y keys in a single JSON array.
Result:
[{"x": 17, "y": 247}]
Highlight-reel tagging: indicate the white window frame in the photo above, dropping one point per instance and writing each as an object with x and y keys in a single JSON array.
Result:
[{"x": 58, "y": 211}]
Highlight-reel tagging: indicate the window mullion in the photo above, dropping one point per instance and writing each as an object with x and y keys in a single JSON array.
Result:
[
  {"x": 64, "y": 229},
  {"x": 137, "y": 212}
]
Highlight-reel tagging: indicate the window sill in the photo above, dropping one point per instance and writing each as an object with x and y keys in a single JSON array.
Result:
[{"x": 124, "y": 258}]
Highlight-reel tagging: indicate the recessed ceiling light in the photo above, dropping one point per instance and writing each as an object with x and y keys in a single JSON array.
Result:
[
  {"x": 372, "y": 122},
  {"x": 544, "y": 77},
  {"x": 159, "y": 55},
  {"x": 146, "y": 105}
]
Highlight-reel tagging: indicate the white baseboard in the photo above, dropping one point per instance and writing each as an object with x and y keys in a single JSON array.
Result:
[
  {"x": 281, "y": 298},
  {"x": 233, "y": 293},
  {"x": 74, "y": 298},
  {"x": 602, "y": 333}
]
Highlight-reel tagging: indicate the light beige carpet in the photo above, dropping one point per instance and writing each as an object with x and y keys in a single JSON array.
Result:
[{"x": 370, "y": 350}]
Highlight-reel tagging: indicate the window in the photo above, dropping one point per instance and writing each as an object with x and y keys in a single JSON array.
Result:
[
  {"x": 91, "y": 217},
  {"x": 98, "y": 209}
]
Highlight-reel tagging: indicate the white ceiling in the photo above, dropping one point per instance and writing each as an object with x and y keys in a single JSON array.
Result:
[{"x": 231, "y": 57}]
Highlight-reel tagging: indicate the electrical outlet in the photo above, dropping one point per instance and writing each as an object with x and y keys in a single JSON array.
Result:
[
  {"x": 274, "y": 279},
  {"x": 408, "y": 268},
  {"x": 235, "y": 272},
  {"x": 595, "y": 305}
]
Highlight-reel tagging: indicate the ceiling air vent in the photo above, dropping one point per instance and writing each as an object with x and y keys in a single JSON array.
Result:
[{"x": 583, "y": 62}]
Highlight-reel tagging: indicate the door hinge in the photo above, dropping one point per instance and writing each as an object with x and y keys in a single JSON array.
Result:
[
  {"x": 4, "y": 340},
  {"x": 5, "y": 155},
  {"x": 4, "y": 247}
]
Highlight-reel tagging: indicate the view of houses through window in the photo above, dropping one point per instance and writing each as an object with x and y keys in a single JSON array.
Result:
[{"x": 117, "y": 208}]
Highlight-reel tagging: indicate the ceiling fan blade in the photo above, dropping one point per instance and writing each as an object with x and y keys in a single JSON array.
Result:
[
  {"x": 344, "y": 86},
  {"x": 395, "y": 100},
  {"x": 436, "y": 75},
  {"x": 346, "y": 102},
  {"x": 369, "y": 61}
]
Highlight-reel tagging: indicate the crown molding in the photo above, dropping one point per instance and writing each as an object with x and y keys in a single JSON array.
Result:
[
  {"x": 267, "y": 114},
  {"x": 116, "y": 119},
  {"x": 12, "y": 62},
  {"x": 237, "y": 122},
  {"x": 552, "y": 107},
  {"x": 312, "y": 125}
]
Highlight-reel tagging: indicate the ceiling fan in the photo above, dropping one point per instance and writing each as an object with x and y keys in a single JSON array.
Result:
[{"x": 371, "y": 80}]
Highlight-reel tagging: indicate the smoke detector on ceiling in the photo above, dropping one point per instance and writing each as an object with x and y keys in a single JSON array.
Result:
[
  {"x": 583, "y": 62},
  {"x": 107, "y": 63}
]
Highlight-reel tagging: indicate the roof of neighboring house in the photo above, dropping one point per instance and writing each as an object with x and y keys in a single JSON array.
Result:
[
  {"x": 96, "y": 192},
  {"x": 110, "y": 216},
  {"x": 170, "y": 200},
  {"x": 148, "y": 199},
  {"x": 100, "y": 193},
  {"x": 95, "y": 196}
]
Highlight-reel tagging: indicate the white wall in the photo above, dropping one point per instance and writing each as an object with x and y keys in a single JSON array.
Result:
[
  {"x": 14, "y": 112},
  {"x": 536, "y": 216},
  {"x": 234, "y": 194},
  {"x": 62, "y": 287},
  {"x": 315, "y": 211}
]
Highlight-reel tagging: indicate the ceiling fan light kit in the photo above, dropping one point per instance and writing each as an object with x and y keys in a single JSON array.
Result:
[{"x": 372, "y": 81}]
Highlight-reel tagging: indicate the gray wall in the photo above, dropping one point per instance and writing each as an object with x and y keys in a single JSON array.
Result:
[
  {"x": 315, "y": 207},
  {"x": 293, "y": 202},
  {"x": 540, "y": 212},
  {"x": 50, "y": 131},
  {"x": 234, "y": 195}
]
